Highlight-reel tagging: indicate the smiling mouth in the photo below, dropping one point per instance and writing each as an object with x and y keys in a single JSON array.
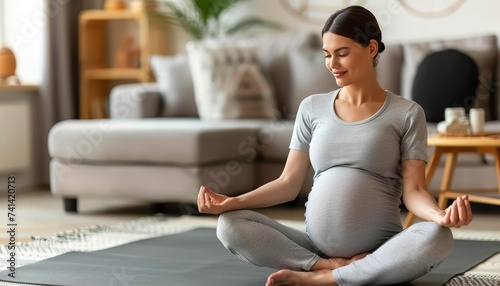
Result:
[{"x": 339, "y": 74}]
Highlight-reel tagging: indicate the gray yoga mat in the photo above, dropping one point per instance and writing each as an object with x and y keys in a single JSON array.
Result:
[{"x": 195, "y": 258}]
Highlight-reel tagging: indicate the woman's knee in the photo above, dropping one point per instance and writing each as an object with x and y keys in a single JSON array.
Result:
[
  {"x": 439, "y": 239},
  {"x": 228, "y": 226}
]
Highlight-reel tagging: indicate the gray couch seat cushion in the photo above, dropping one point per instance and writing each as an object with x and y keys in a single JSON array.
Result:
[{"x": 154, "y": 141}]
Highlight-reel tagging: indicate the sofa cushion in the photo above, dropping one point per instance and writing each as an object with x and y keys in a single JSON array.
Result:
[
  {"x": 150, "y": 141},
  {"x": 297, "y": 68},
  {"x": 390, "y": 64},
  {"x": 175, "y": 85},
  {"x": 153, "y": 182},
  {"x": 444, "y": 79},
  {"x": 229, "y": 81},
  {"x": 309, "y": 75},
  {"x": 484, "y": 51},
  {"x": 134, "y": 100},
  {"x": 274, "y": 140},
  {"x": 291, "y": 58}
]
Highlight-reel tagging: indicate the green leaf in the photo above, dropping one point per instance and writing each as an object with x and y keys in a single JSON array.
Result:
[
  {"x": 249, "y": 22},
  {"x": 187, "y": 19},
  {"x": 201, "y": 18},
  {"x": 222, "y": 6}
]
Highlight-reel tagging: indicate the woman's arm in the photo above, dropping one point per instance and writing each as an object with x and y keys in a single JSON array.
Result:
[
  {"x": 284, "y": 189},
  {"x": 421, "y": 203}
]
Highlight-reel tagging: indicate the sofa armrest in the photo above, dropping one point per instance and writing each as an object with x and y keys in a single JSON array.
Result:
[{"x": 137, "y": 100}]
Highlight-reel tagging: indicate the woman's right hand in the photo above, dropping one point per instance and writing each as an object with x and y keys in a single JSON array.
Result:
[{"x": 211, "y": 202}]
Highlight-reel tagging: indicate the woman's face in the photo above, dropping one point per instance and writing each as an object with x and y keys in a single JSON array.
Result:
[{"x": 346, "y": 59}]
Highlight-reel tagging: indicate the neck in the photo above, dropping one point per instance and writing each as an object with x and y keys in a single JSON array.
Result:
[{"x": 367, "y": 91}]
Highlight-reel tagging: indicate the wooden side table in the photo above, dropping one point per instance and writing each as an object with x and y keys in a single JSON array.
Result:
[{"x": 452, "y": 146}]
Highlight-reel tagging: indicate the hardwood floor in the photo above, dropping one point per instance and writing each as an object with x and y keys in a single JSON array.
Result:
[{"x": 38, "y": 213}]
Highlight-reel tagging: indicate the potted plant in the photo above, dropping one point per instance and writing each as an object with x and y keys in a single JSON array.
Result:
[{"x": 203, "y": 18}]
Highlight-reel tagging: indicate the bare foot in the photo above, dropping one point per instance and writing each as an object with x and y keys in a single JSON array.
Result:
[
  {"x": 295, "y": 278},
  {"x": 335, "y": 262}
]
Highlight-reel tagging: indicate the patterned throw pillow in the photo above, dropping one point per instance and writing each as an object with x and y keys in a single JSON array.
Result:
[{"x": 229, "y": 81}]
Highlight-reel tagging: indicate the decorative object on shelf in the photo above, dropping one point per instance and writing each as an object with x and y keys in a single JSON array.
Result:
[
  {"x": 8, "y": 67},
  {"x": 98, "y": 73},
  {"x": 142, "y": 5},
  {"x": 115, "y": 5},
  {"x": 137, "y": 6},
  {"x": 203, "y": 18},
  {"x": 127, "y": 55}
]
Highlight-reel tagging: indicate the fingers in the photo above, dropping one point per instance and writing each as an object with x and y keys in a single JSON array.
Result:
[
  {"x": 204, "y": 200},
  {"x": 269, "y": 281},
  {"x": 459, "y": 213},
  {"x": 201, "y": 200},
  {"x": 454, "y": 213},
  {"x": 462, "y": 211},
  {"x": 469, "y": 211},
  {"x": 446, "y": 219},
  {"x": 208, "y": 201}
]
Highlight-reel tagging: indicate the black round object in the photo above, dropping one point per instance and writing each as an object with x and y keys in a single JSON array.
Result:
[{"x": 447, "y": 78}]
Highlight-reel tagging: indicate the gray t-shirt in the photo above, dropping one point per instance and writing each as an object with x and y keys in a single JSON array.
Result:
[{"x": 357, "y": 181}]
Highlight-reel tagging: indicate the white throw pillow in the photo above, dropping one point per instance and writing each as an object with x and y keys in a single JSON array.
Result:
[
  {"x": 175, "y": 84},
  {"x": 229, "y": 81}
]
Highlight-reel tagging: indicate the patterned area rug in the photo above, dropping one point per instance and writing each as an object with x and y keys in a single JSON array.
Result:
[{"x": 100, "y": 237}]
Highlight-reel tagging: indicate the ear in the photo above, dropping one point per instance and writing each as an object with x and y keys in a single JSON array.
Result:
[{"x": 373, "y": 47}]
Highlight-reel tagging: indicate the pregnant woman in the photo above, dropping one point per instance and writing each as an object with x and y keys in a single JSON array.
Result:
[{"x": 367, "y": 147}]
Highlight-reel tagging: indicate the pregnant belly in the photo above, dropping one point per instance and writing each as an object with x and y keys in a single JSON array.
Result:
[{"x": 350, "y": 211}]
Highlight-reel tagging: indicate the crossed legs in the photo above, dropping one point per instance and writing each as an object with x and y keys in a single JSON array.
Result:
[{"x": 259, "y": 240}]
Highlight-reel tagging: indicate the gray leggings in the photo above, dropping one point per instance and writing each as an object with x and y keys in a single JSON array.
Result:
[{"x": 262, "y": 241}]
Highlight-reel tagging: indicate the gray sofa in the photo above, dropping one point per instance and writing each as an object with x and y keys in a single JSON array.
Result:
[{"x": 156, "y": 149}]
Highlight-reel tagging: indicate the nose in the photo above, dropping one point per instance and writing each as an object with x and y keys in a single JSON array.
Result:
[{"x": 333, "y": 63}]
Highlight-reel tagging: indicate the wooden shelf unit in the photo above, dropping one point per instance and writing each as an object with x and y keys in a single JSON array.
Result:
[{"x": 97, "y": 74}]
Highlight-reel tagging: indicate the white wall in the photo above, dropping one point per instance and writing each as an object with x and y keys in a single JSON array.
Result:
[
  {"x": 24, "y": 23},
  {"x": 24, "y": 26},
  {"x": 398, "y": 24}
]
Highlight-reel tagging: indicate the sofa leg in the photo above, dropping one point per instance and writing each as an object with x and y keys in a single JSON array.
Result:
[{"x": 71, "y": 205}]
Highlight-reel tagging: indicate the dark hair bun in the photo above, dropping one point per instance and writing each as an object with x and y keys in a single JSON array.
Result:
[
  {"x": 356, "y": 23},
  {"x": 381, "y": 47}
]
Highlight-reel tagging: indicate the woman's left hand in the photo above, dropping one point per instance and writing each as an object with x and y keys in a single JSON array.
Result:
[{"x": 458, "y": 214}]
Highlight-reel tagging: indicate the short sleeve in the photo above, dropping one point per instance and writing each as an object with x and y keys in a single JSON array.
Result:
[
  {"x": 414, "y": 143},
  {"x": 302, "y": 132}
]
